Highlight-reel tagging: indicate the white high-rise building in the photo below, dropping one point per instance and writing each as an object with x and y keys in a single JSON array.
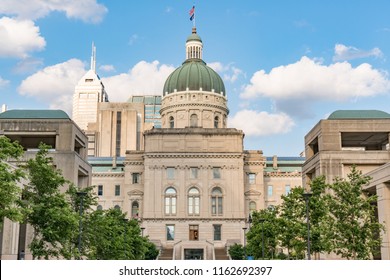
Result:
[{"x": 88, "y": 93}]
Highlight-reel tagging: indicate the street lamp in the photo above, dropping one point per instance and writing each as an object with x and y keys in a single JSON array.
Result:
[
  {"x": 262, "y": 220},
  {"x": 124, "y": 238},
  {"x": 307, "y": 198},
  {"x": 81, "y": 196},
  {"x": 244, "y": 228}
]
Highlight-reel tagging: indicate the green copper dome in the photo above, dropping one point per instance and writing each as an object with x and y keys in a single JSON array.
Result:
[
  {"x": 194, "y": 37},
  {"x": 194, "y": 74}
]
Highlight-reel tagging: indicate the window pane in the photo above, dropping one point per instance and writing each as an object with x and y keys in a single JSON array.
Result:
[
  {"x": 213, "y": 205},
  {"x": 219, "y": 205},
  {"x": 216, "y": 173},
  {"x": 190, "y": 205},
  {"x": 288, "y": 189},
  {"x": 270, "y": 190},
  {"x": 167, "y": 205},
  {"x": 135, "y": 178},
  {"x": 100, "y": 190},
  {"x": 193, "y": 172},
  {"x": 170, "y": 232},
  {"x": 197, "y": 205},
  {"x": 170, "y": 173},
  {"x": 117, "y": 190},
  {"x": 173, "y": 200},
  {"x": 217, "y": 232},
  {"x": 252, "y": 178}
]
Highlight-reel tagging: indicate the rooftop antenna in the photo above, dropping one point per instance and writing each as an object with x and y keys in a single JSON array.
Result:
[{"x": 93, "y": 58}]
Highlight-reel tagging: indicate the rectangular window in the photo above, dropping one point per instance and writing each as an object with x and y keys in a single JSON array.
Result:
[
  {"x": 193, "y": 173},
  {"x": 117, "y": 190},
  {"x": 135, "y": 178},
  {"x": 170, "y": 173},
  {"x": 252, "y": 178},
  {"x": 170, "y": 232},
  {"x": 217, "y": 173},
  {"x": 118, "y": 133},
  {"x": 270, "y": 190},
  {"x": 217, "y": 232},
  {"x": 288, "y": 189},
  {"x": 100, "y": 190}
]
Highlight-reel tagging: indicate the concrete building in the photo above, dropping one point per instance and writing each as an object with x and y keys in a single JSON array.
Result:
[
  {"x": 354, "y": 137},
  {"x": 69, "y": 153}
]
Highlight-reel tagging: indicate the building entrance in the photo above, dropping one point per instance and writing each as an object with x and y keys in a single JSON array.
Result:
[{"x": 193, "y": 254}]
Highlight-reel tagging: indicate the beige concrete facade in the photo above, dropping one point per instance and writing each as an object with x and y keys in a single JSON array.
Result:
[
  {"x": 69, "y": 153},
  {"x": 334, "y": 145}
]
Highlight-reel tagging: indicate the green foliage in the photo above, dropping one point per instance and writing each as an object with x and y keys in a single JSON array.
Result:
[
  {"x": 265, "y": 230},
  {"x": 152, "y": 251},
  {"x": 354, "y": 226},
  {"x": 342, "y": 220},
  {"x": 108, "y": 236},
  {"x": 10, "y": 176},
  {"x": 236, "y": 252},
  {"x": 47, "y": 209}
]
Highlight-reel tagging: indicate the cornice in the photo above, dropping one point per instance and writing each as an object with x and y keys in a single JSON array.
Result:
[
  {"x": 283, "y": 174},
  {"x": 192, "y": 219},
  {"x": 192, "y": 155},
  {"x": 108, "y": 174},
  {"x": 190, "y": 104}
]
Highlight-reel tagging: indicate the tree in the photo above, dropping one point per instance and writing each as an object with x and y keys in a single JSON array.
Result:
[
  {"x": 292, "y": 222},
  {"x": 48, "y": 210},
  {"x": 354, "y": 226},
  {"x": 236, "y": 252},
  {"x": 109, "y": 236},
  {"x": 10, "y": 176},
  {"x": 265, "y": 230}
]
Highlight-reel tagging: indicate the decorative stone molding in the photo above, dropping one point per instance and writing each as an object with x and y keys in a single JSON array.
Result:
[
  {"x": 107, "y": 174},
  {"x": 192, "y": 219},
  {"x": 252, "y": 193},
  {"x": 229, "y": 156},
  {"x": 282, "y": 174}
]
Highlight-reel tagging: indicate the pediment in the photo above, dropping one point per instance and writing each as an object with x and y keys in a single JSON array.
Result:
[
  {"x": 135, "y": 193},
  {"x": 252, "y": 193}
]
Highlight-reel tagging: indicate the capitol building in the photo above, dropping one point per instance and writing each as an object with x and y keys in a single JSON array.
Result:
[{"x": 171, "y": 162}]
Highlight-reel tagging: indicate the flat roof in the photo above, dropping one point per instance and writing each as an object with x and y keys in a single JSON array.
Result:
[
  {"x": 358, "y": 114},
  {"x": 34, "y": 114}
]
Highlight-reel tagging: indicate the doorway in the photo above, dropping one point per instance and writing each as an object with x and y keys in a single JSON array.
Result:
[
  {"x": 193, "y": 254},
  {"x": 194, "y": 232}
]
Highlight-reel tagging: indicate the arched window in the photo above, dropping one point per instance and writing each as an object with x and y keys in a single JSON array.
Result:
[
  {"x": 252, "y": 206},
  {"x": 216, "y": 122},
  {"x": 171, "y": 122},
  {"x": 134, "y": 209},
  {"x": 100, "y": 207},
  {"x": 170, "y": 201},
  {"x": 193, "y": 201},
  {"x": 117, "y": 207},
  {"x": 216, "y": 201},
  {"x": 194, "y": 120}
]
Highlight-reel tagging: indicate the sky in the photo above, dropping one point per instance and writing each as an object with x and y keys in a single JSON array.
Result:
[{"x": 285, "y": 64}]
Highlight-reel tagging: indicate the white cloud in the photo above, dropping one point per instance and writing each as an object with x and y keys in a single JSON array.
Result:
[
  {"x": 309, "y": 79},
  {"x": 261, "y": 123},
  {"x": 229, "y": 72},
  {"x": 143, "y": 79},
  {"x": 86, "y": 10},
  {"x": 54, "y": 85},
  {"x": 107, "y": 68},
  {"x": 343, "y": 52},
  {"x": 28, "y": 65},
  {"x": 3, "y": 82},
  {"x": 19, "y": 38}
]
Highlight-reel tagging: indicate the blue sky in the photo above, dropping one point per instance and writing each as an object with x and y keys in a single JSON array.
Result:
[{"x": 285, "y": 64}]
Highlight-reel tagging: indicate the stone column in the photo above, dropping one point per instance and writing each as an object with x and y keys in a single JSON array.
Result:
[{"x": 383, "y": 192}]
